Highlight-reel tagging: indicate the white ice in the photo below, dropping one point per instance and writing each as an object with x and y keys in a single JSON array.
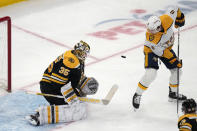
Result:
[{"x": 43, "y": 29}]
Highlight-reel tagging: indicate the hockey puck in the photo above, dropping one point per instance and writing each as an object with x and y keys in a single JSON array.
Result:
[{"x": 123, "y": 56}]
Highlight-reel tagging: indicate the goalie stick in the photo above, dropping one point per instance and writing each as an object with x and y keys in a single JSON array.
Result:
[{"x": 104, "y": 101}]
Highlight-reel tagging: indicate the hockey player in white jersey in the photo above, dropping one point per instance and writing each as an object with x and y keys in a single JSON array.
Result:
[
  {"x": 158, "y": 45},
  {"x": 65, "y": 77}
]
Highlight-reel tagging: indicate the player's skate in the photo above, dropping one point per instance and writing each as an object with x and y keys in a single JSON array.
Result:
[
  {"x": 136, "y": 101},
  {"x": 173, "y": 96},
  {"x": 33, "y": 119}
]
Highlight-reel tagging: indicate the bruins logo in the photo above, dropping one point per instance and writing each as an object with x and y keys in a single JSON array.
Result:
[
  {"x": 151, "y": 37},
  {"x": 183, "y": 122},
  {"x": 71, "y": 60}
]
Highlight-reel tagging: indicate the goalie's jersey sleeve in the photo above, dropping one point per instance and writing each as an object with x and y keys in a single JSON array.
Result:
[
  {"x": 66, "y": 68},
  {"x": 188, "y": 122}
]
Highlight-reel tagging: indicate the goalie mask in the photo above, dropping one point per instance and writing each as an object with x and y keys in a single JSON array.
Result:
[
  {"x": 189, "y": 106},
  {"x": 153, "y": 24},
  {"x": 82, "y": 50}
]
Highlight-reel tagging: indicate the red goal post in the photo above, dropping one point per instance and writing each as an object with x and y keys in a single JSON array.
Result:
[{"x": 5, "y": 53}]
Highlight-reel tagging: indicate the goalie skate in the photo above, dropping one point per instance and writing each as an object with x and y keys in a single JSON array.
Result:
[{"x": 33, "y": 119}]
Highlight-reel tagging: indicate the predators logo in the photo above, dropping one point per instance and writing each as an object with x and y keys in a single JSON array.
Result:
[{"x": 151, "y": 37}]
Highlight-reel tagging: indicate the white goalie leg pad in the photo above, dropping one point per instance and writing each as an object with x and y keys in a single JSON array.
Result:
[
  {"x": 173, "y": 78},
  {"x": 147, "y": 79},
  {"x": 62, "y": 113}
]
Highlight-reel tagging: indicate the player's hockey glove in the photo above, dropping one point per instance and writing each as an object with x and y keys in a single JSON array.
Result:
[
  {"x": 176, "y": 62},
  {"x": 179, "y": 64},
  {"x": 172, "y": 58},
  {"x": 180, "y": 19}
]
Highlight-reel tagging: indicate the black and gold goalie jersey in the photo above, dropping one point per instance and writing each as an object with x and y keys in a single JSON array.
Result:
[
  {"x": 188, "y": 122},
  {"x": 66, "y": 68}
]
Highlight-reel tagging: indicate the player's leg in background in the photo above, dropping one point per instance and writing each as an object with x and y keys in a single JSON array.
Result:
[{"x": 151, "y": 67}]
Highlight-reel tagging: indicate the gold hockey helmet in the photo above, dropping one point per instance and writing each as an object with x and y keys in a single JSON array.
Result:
[{"x": 82, "y": 50}]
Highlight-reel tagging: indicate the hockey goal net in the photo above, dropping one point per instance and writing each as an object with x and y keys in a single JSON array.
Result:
[{"x": 5, "y": 53}]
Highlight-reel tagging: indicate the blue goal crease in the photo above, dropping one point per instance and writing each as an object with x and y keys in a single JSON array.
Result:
[{"x": 13, "y": 109}]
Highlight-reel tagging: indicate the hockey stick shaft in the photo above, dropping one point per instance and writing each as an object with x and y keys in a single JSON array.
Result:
[
  {"x": 86, "y": 99},
  {"x": 104, "y": 101},
  {"x": 178, "y": 46}
]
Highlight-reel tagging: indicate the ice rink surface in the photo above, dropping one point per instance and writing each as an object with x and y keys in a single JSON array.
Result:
[{"x": 43, "y": 29}]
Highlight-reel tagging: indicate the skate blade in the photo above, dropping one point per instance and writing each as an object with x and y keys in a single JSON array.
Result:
[
  {"x": 135, "y": 109},
  {"x": 175, "y": 100},
  {"x": 27, "y": 118},
  {"x": 31, "y": 121}
]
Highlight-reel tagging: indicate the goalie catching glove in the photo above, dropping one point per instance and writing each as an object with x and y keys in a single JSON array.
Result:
[{"x": 88, "y": 86}]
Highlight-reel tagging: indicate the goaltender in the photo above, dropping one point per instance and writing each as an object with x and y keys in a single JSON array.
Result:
[{"x": 65, "y": 77}]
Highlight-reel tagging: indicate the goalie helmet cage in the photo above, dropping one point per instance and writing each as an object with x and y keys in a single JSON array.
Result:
[{"x": 5, "y": 53}]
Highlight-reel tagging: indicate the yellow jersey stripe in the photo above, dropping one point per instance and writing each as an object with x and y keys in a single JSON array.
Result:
[
  {"x": 46, "y": 80},
  {"x": 146, "y": 59},
  {"x": 56, "y": 81},
  {"x": 47, "y": 75},
  {"x": 184, "y": 129},
  {"x": 187, "y": 124},
  {"x": 187, "y": 115},
  {"x": 60, "y": 77}
]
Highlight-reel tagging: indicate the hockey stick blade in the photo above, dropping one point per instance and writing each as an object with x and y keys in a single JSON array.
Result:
[{"x": 110, "y": 95}]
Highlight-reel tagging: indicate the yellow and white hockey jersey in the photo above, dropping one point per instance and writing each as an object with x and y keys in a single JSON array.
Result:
[{"x": 159, "y": 42}]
